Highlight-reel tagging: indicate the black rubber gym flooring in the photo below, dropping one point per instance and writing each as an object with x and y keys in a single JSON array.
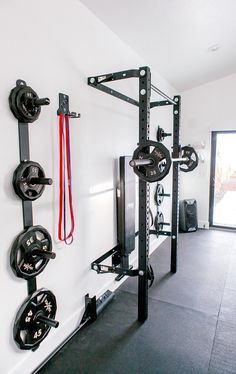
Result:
[{"x": 192, "y": 318}]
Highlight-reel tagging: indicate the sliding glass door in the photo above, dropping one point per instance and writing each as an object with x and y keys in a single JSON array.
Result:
[{"x": 223, "y": 180}]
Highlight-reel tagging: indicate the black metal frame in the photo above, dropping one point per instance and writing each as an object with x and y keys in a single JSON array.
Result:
[
  {"x": 212, "y": 177},
  {"x": 175, "y": 184},
  {"x": 144, "y": 104},
  {"x": 23, "y": 130}
]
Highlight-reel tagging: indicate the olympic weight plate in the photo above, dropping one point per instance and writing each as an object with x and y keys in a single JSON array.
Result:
[
  {"x": 151, "y": 218},
  {"x": 21, "y": 180},
  {"x": 12, "y": 99},
  {"x": 31, "y": 252},
  {"x": 160, "y": 157},
  {"x": 159, "y": 220},
  {"x": 22, "y": 103},
  {"x": 158, "y": 197},
  {"x": 160, "y": 134},
  {"x": 192, "y": 162},
  {"x": 29, "y": 329}
]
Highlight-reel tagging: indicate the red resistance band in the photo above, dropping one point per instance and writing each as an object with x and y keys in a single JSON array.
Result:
[{"x": 65, "y": 191}]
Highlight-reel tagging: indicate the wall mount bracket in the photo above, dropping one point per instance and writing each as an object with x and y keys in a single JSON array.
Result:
[{"x": 64, "y": 107}]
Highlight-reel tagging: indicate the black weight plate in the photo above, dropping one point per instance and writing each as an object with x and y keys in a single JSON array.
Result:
[
  {"x": 21, "y": 180},
  {"x": 12, "y": 101},
  {"x": 24, "y": 104},
  {"x": 24, "y": 262},
  {"x": 158, "y": 197},
  {"x": 160, "y": 133},
  {"x": 160, "y": 156},
  {"x": 151, "y": 219},
  {"x": 28, "y": 333},
  {"x": 150, "y": 275},
  {"x": 159, "y": 220},
  {"x": 192, "y": 156}
]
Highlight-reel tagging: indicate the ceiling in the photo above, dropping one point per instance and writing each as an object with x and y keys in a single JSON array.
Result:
[{"x": 173, "y": 36}]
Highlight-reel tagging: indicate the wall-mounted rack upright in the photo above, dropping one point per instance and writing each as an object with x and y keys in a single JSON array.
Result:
[{"x": 144, "y": 104}]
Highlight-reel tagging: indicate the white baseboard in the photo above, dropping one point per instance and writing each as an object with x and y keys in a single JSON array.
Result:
[{"x": 203, "y": 225}]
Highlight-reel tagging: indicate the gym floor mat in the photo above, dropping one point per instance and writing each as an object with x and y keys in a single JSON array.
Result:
[{"x": 191, "y": 326}]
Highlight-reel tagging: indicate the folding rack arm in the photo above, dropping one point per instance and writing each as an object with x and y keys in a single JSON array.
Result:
[
  {"x": 97, "y": 82},
  {"x": 109, "y": 77},
  {"x": 163, "y": 233},
  {"x": 104, "y": 269}
]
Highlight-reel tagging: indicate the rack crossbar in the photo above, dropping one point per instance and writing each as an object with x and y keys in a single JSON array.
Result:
[{"x": 159, "y": 92}]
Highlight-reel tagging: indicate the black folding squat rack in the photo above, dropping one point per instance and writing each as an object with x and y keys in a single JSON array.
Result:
[{"x": 145, "y": 104}]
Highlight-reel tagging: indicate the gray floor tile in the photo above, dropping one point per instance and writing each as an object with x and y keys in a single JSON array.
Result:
[
  {"x": 173, "y": 340},
  {"x": 231, "y": 277},
  {"x": 178, "y": 336},
  {"x": 228, "y": 307},
  {"x": 223, "y": 359},
  {"x": 180, "y": 290}
]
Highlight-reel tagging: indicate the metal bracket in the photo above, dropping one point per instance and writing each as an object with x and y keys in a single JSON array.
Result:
[
  {"x": 160, "y": 103},
  {"x": 94, "y": 306},
  {"x": 157, "y": 233},
  {"x": 115, "y": 268},
  {"x": 20, "y": 82},
  {"x": 64, "y": 107},
  {"x": 90, "y": 313}
]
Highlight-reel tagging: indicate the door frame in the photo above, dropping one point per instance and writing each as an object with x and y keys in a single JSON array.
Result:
[{"x": 212, "y": 177}]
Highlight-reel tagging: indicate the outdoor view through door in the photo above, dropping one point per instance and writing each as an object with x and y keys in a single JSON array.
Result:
[{"x": 223, "y": 179}]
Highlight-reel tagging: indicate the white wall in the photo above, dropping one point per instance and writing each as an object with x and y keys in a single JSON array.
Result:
[
  {"x": 54, "y": 46},
  {"x": 206, "y": 108}
]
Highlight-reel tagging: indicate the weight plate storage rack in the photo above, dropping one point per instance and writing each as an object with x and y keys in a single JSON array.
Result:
[
  {"x": 26, "y": 107},
  {"x": 144, "y": 104},
  {"x": 32, "y": 248}
]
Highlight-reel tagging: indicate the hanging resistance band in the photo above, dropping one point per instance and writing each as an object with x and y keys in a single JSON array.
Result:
[{"x": 65, "y": 188}]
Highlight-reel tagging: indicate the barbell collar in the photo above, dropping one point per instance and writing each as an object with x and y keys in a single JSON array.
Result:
[
  {"x": 141, "y": 162},
  {"x": 48, "y": 321},
  {"x": 41, "y": 180}
]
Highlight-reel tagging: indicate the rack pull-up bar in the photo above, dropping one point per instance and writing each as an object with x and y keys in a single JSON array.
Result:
[{"x": 154, "y": 88}]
